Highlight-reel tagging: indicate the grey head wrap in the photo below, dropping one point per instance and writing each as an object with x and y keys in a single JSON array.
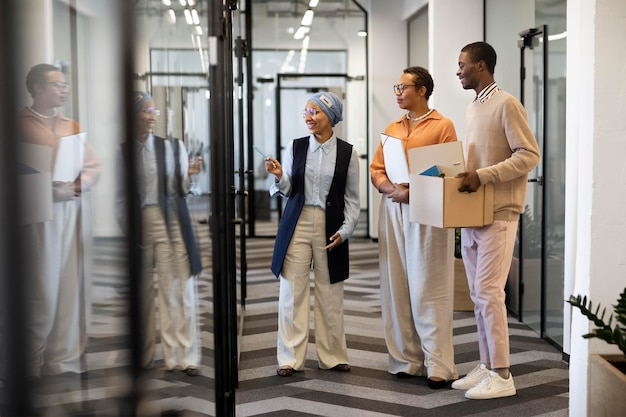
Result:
[
  {"x": 330, "y": 104},
  {"x": 140, "y": 100}
]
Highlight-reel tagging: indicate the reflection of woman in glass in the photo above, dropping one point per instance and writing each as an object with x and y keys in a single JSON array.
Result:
[
  {"x": 168, "y": 242},
  {"x": 320, "y": 177},
  {"x": 57, "y": 322}
]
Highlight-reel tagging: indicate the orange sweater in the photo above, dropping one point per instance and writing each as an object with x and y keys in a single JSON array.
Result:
[
  {"x": 432, "y": 130},
  {"x": 35, "y": 130}
]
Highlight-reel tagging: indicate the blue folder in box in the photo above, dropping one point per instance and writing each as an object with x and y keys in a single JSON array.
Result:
[{"x": 433, "y": 171}]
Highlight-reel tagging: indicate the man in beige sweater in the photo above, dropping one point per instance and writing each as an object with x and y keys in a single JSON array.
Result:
[{"x": 501, "y": 150}]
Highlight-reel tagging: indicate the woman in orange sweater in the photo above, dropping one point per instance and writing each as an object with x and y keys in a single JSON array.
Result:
[{"x": 416, "y": 261}]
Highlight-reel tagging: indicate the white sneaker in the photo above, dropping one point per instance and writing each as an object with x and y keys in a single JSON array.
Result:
[
  {"x": 492, "y": 386},
  {"x": 472, "y": 379}
]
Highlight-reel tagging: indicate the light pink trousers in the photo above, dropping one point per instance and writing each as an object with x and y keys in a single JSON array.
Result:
[
  {"x": 487, "y": 253},
  {"x": 305, "y": 249}
]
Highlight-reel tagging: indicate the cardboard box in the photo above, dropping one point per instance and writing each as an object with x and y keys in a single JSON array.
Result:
[{"x": 435, "y": 200}]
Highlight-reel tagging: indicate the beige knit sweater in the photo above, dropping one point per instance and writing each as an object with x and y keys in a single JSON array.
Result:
[{"x": 502, "y": 149}]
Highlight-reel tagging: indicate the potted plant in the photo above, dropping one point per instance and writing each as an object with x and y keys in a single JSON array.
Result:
[{"x": 607, "y": 373}]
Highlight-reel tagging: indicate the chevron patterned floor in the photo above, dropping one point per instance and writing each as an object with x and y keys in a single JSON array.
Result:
[{"x": 541, "y": 377}]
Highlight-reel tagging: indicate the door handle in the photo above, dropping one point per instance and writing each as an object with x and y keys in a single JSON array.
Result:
[{"x": 538, "y": 180}]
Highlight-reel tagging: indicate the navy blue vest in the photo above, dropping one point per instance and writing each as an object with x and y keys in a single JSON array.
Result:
[
  {"x": 177, "y": 201},
  {"x": 338, "y": 261}
]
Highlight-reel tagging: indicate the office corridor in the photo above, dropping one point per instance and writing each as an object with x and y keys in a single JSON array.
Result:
[{"x": 541, "y": 377}]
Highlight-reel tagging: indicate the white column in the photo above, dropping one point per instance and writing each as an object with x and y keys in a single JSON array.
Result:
[
  {"x": 387, "y": 43},
  {"x": 595, "y": 198},
  {"x": 452, "y": 25},
  {"x": 35, "y": 37}
]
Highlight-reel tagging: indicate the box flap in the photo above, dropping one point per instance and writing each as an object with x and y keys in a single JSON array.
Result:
[{"x": 448, "y": 156}]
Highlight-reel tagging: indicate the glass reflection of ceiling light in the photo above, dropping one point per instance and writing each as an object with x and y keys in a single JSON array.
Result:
[
  {"x": 188, "y": 17},
  {"x": 171, "y": 14},
  {"x": 195, "y": 17},
  {"x": 166, "y": 2},
  {"x": 305, "y": 42},
  {"x": 362, "y": 33},
  {"x": 183, "y": 3},
  {"x": 307, "y": 19},
  {"x": 557, "y": 36},
  {"x": 313, "y": 3},
  {"x": 302, "y": 30},
  {"x": 286, "y": 67},
  {"x": 302, "y": 65},
  {"x": 198, "y": 30},
  {"x": 191, "y": 2}
]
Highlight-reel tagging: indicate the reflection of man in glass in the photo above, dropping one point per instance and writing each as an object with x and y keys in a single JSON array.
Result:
[{"x": 56, "y": 302}]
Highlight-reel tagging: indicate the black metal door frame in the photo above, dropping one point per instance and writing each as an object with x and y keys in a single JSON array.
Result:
[
  {"x": 223, "y": 194},
  {"x": 528, "y": 40}
]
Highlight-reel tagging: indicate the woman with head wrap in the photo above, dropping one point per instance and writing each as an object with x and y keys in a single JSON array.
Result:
[
  {"x": 167, "y": 241},
  {"x": 320, "y": 179}
]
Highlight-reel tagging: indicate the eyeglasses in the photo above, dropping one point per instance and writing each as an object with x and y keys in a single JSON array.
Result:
[
  {"x": 60, "y": 85},
  {"x": 152, "y": 110},
  {"x": 399, "y": 88},
  {"x": 309, "y": 112}
]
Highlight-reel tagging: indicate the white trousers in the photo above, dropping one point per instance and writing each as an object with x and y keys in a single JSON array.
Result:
[
  {"x": 417, "y": 293},
  {"x": 306, "y": 248},
  {"x": 57, "y": 329},
  {"x": 177, "y": 293},
  {"x": 487, "y": 253}
]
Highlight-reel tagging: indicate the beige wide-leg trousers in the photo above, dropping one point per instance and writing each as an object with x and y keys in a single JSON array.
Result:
[
  {"x": 57, "y": 327},
  {"x": 177, "y": 293},
  {"x": 305, "y": 249},
  {"x": 417, "y": 293}
]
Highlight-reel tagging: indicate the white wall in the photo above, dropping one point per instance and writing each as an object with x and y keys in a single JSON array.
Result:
[
  {"x": 413, "y": 6},
  {"x": 105, "y": 107},
  {"x": 387, "y": 44},
  {"x": 449, "y": 97},
  {"x": 36, "y": 45},
  {"x": 596, "y": 178}
]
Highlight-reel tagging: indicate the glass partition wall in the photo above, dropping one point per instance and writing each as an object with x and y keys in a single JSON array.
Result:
[
  {"x": 291, "y": 60},
  {"x": 80, "y": 294},
  {"x": 535, "y": 284},
  {"x": 76, "y": 320}
]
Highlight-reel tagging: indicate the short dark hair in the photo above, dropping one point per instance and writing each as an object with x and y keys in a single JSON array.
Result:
[
  {"x": 482, "y": 51},
  {"x": 422, "y": 78},
  {"x": 38, "y": 75}
]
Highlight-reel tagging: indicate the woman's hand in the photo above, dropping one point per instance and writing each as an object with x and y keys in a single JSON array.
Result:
[
  {"x": 195, "y": 165},
  {"x": 335, "y": 240},
  {"x": 400, "y": 194},
  {"x": 272, "y": 166}
]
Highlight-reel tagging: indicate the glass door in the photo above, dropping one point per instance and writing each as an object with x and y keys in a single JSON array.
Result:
[{"x": 535, "y": 288}]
